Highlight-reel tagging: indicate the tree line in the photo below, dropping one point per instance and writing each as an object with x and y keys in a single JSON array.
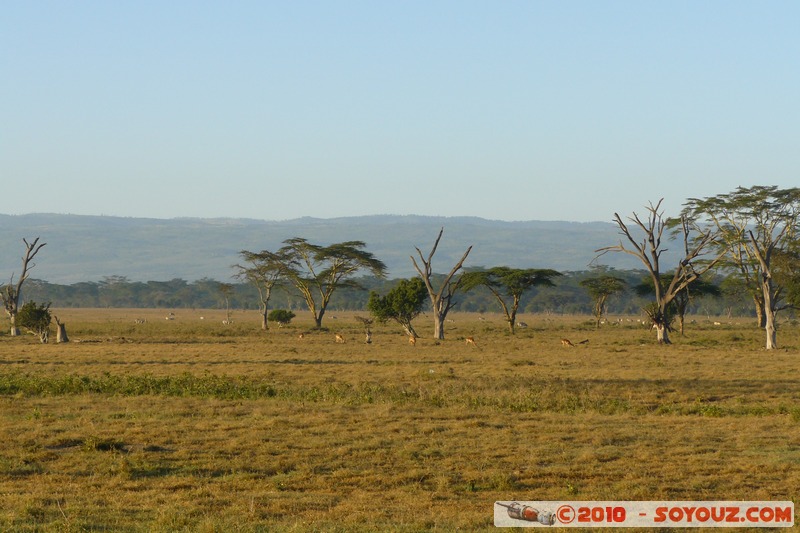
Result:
[
  {"x": 741, "y": 246},
  {"x": 567, "y": 296}
]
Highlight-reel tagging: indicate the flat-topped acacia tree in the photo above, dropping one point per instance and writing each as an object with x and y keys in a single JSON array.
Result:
[
  {"x": 265, "y": 270},
  {"x": 317, "y": 271},
  {"x": 508, "y": 285},
  {"x": 600, "y": 288}
]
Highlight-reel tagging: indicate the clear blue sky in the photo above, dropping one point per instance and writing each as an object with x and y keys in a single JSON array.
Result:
[{"x": 511, "y": 110}]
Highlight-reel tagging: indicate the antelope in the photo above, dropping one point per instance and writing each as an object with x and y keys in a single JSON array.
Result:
[
  {"x": 140, "y": 320},
  {"x": 339, "y": 339},
  {"x": 300, "y": 337},
  {"x": 567, "y": 342},
  {"x": 412, "y": 341},
  {"x": 522, "y": 325},
  {"x": 471, "y": 341}
]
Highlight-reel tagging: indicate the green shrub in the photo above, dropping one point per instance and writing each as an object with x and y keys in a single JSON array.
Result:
[
  {"x": 35, "y": 318},
  {"x": 281, "y": 316}
]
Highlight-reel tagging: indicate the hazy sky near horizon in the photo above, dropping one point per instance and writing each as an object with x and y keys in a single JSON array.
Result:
[{"x": 512, "y": 110}]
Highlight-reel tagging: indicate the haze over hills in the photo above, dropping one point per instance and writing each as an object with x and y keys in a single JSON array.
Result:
[{"x": 89, "y": 248}]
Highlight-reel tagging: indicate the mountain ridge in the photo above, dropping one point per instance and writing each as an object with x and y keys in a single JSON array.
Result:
[{"x": 90, "y": 247}]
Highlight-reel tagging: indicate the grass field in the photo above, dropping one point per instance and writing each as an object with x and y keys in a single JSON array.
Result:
[{"x": 192, "y": 425}]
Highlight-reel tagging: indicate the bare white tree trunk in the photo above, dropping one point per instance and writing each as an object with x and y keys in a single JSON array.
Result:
[
  {"x": 768, "y": 290},
  {"x": 438, "y": 326},
  {"x": 772, "y": 332},
  {"x": 61, "y": 332},
  {"x": 662, "y": 334},
  {"x": 769, "y": 314}
]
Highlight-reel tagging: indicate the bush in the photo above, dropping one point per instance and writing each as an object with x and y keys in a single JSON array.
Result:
[
  {"x": 281, "y": 316},
  {"x": 35, "y": 318}
]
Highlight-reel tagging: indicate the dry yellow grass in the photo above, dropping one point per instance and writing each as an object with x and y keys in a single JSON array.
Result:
[{"x": 193, "y": 425}]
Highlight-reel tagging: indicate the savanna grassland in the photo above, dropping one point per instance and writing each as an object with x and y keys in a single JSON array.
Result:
[{"x": 192, "y": 425}]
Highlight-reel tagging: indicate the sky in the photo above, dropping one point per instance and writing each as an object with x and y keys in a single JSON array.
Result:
[{"x": 510, "y": 110}]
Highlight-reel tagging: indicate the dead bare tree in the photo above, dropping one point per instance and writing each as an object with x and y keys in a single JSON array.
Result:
[
  {"x": 441, "y": 298},
  {"x": 695, "y": 242},
  {"x": 10, "y": 294}
]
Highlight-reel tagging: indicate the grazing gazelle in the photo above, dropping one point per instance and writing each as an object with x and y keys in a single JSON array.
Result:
[
  {"x": 471, "y": 341},
  {"x": 567, "y": 342},
  {"x": 339, "y": 339},
  {"x": 412, "y": 341}
]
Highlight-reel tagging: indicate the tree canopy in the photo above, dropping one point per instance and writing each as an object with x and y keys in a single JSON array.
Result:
[
  {"x": 508, "y": 285},
  {"x": 600, "y": 288},
  {"x": 402, "y": 304},
  {"x": 754, "y": 227},
  {"x": 318, "y": 271}
]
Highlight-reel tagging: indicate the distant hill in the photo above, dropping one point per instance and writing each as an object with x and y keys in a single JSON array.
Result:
[{"x": 88, "y": 248}]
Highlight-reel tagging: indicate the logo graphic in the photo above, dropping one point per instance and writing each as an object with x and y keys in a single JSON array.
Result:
[
  {"x": 661, "y": 514},
  {"x": 529, "y": 514}
]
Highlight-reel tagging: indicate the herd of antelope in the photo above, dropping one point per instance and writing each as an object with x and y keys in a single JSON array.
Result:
[
  {"x": 412, "y": 340},
  {"x": 470, "y": 341}
]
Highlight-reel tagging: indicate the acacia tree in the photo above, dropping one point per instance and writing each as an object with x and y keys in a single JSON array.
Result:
[
  {"x": 10, "y": 294},
  {"x": 317, "y": 271},
  {"x": 402, "y": 304},
  {"x": 441, "y": 298},
  {"x": 226, "y": 289},
  {"x": 509, "y": 283},
  {"x": 648, "y": 250},
  {"x": 266, "y": 270},
  {"x": 600, "y": 289},
  {"x": 755, "y": 226}
]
